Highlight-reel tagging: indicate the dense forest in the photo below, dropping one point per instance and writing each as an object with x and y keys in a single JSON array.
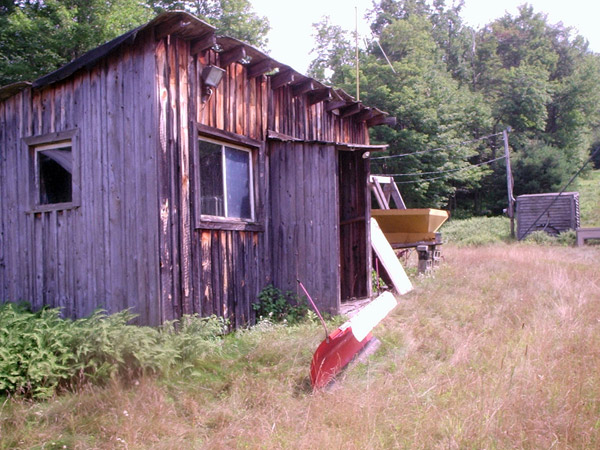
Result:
[{"x": 452, "y": 88}]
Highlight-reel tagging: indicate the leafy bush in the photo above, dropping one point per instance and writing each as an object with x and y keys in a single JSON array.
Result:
[
  {"x": 542, "y": 168},
  {"x": 41, "y": 353},
  {"x": 539, "y": 237},
  {"x": 276, "y": 306}
]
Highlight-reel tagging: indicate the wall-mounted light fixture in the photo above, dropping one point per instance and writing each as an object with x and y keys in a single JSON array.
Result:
[
  {"x": 211, "y": 77},
  {"x": 365, "y": 155}
]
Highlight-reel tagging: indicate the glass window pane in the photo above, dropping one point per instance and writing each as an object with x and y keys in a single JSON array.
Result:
[
  {"x": 211, "y": 179},
  {"x": 238, "y": 183},
  {"x": 55, "y": 177}
]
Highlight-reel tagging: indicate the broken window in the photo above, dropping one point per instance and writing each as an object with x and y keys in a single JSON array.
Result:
[
  {"x": 53, "y": 171},
  {"x": 54, "y": 163},
  {"x": 225, "y": 180}
]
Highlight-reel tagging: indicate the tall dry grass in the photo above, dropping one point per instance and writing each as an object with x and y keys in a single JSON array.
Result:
[{"x": 499, "y": 349}]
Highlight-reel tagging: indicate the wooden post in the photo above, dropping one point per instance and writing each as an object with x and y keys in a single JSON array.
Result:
[{"x": 509, "y": 184}]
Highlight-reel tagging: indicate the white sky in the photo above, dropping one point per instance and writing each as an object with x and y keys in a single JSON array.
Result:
[{"x": 291, "y": 40}]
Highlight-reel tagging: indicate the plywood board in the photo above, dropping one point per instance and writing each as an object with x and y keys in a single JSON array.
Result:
[{"x": 388, "y": 258}]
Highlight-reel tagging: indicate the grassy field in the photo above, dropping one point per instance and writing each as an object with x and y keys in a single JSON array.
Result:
[
  {"x": 500, "y": 348},
  {"x": 489, "y": 230}
]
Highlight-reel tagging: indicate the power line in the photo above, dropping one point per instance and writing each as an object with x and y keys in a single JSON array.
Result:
[
  {"x": 437, "y": 149},
  {"x": 441, "y": 171}
]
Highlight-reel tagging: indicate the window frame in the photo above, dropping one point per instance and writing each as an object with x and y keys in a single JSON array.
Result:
[
  {"x": 36, "y": 144},
  {"x": 238, "y": 142}
]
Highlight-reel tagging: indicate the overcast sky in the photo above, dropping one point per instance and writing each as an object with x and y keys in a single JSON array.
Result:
[{"x": 291, "y": 41}]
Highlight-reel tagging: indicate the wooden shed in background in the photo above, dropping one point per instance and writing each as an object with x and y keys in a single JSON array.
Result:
[
  {"x": 131, "y": 178},
  {"x": 562, "y": 213}
]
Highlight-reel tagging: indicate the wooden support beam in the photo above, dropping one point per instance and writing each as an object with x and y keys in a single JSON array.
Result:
[
  {"x": 379, "y": 195},
  {"x": 319, "y": 95},
  {"x": 348, "y": 111},
  {"x": 260, "y": 68},
  {"x": 282, "y": 78},
  {"x": 271, "y": 134},
  {"x": 168, "y": 28},
  {"x": 335, "y": 104},
  {"x": 365, "y": 115},
  {"x": 381, "y": 120},
  {"x": 396, "y": 195},
  {"x": 235, "y": 54},
  {"x": 204, "y": 43},
  {"x": 228, "y": 136},
  {"x": 303, "y": 87}
]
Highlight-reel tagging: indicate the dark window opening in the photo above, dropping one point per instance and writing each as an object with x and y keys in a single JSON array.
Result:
[
  {"x": 55, "y": 175},
  {"x": 225, "y": 181}
]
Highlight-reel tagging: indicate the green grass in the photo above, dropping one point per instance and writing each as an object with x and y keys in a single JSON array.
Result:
[
  {"x": 588, "y": 187},
  {"x": 476, "y": 231},
  {"x": 497, "y": 349}
]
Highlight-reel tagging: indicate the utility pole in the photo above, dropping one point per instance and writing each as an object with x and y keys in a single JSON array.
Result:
[{"x": 509, "y": 184}]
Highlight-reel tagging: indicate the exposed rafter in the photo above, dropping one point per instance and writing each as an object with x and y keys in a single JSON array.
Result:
[
  {"x": 319, "y": 95},
  {"x": 353, "y": 108},
  {"x": 303, "y": 87},
  {"x": 260, "y": 68},
  {"x": 204, "y": 43},
  {"x": 365, "y": 115},
  {"x": 335, "y": 104},
  {"x": 282, "y": 78},
  {"x": 235, "y": 54},
  {"x": 381, "y": 120}
]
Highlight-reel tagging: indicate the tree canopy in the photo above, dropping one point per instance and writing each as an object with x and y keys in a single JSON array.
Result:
[
  {"x": 39, "y": 36},
  {"x": 449, "y": 84}
]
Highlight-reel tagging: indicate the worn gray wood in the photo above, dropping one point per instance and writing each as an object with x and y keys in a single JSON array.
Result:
[
  {"x": 132, "y": 239},
  {"x": 562, "y": 215}
]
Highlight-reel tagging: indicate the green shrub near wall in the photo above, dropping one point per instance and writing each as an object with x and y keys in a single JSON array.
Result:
[{"x": 40, "y": 352}]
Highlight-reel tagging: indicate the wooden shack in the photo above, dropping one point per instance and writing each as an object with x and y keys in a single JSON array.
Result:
[
  {"x": 551, "y": 212},
  {"x": 133, "y": 178}
]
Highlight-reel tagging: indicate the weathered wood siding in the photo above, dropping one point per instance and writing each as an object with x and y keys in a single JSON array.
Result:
[
  {"x": 295, "y": 116},
  {"x": 135, "y": 240},
  {"x": 562, "y": 215},
  {"x": 221, "y": 269},
  {"x": 104, "y": 253},
  {"x": 207, "y": 269},
  {"x": 305, "y": 220}
]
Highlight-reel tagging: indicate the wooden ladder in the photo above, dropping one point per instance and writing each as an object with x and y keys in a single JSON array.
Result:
[{"x": 385, "y": 190}]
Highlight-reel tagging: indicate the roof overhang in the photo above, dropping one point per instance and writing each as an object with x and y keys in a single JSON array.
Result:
[
  {"x": 202, "y": 37},
  {"x": 11, "y": 89}
]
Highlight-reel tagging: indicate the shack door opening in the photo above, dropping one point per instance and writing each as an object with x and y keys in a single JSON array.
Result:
[{"x": 355, "y": 205}]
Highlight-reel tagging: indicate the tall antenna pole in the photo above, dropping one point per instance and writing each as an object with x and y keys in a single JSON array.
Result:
[{"x": 356, "y": 44}]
